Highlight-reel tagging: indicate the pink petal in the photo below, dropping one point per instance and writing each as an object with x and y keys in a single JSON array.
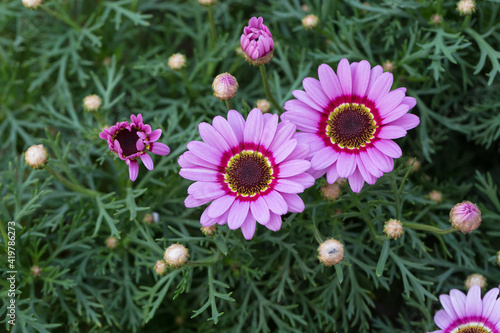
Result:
[
  {"x": 282, "y": 152},
  {"x": 304, "y": 120},
  {"x": 361, "y": 78},
  {"x": 248, "y": 227},
  {"x": 442, "y": 319},
  {"x": 253, "y": 127},
  {"x": 306, "y": 99},
  {"x": 103, "y": 135},
  {"x": 274, "y": 222},
  {"x": 324, "y": 158},
  {"x": 397, "y": 113},
  {"x": 299, "y": 153},
  {"x": 391, "y": 132},
  {"x": 489, "y": 302},
  {"x": 378, "y": 159},
  {"x": 155, "y": 135},
  {"x": 139, "y": 145},
  {"x": 292, "y": 168},
  {"x": 344, "y": 75},
  {"x": 474, "y": 305},
  {"x": 389, "y": 148},
  {"x": 259, "y": 210},
  {"x": 294, "y": 202},
  {"x": 380, "y": 87},
  {"x": 190, "y": 160},
  {"x": 312, "y": 140},
  {"x": 304, "y": 179},
  {"x": 148, "y": 162},
  {"x": 286, "y": 130},
  {"x": 329, "y": 82},
  {"x": 206, "y": 190},
  {"x": 448, "y": 306},
  {"x": 315, "y": 91},
  {"x": 410, "y": 101},
  {"x": 389, "y": 102},
  {"x": 374, "y": 74},
  {"x": 133, "y": 169},
  {"x": 269, "y": 131},
  {"x": 237, "y": 214},
  {"x": 288, "y": 186},
  {"x": 199, "y": 174},
  {"x": 346, "y": 164},
  {"x": 191, "y": 201},
  {"x": 206, "y": 152},
  {"x": 237, "y": 123},
  {"x": 408, "y": 121},
  {"x": 220, "y": 206},
  {"x": 207, "y": 221},
  {"x": 275, "y": 202},
  {"x": 225, "y": 130},
  {"x": 458, "y": 299},
  {"x": 495, "y": 314},
  {"x": 368, "y": 177},
  {"x": 332, "y": 175},
  {"x": 159, "y": 148},
  {"x": 212, "y": 137},
  {"x": 369, "y": 165},
  {"x": 356, "y": 181}
]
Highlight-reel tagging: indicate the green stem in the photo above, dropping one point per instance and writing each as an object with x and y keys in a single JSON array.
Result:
[
  {"x": 99, "y": 119},
  {"x": 4, "y": 234},
  {"x": 355, "y": 198},
  {"x": 205, "y": 262},
  {"x": 265, "y": 82},
  {"x": 212, "y": 27},
  {"x": 70, "y": 185},
  {"x": 186, "y": 81},
  {"x": 465, "y": 24},
  {"x": 61, "y": 17},
  {"x": 317, "y": 235},
  {"x": 425, "y": 227},
  {"x": 228, "y": 105}
]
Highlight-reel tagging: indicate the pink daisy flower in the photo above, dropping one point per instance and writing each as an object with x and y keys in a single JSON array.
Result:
[
  {"x": 469, "y": 314},
  {"x": 250, "y": 170},
  {"x": 132, "y": 140},
  {"x": 350, "y": 119},
  {"x": 257, "y": 42}
]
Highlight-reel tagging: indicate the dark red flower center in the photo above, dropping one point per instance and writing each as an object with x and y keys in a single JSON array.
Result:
[
  {"x": 248, "y": 173},
  {"x": 473, "y": 329},
  {"x": 128, "y": 141},
  {"x": 351, "y": 126}
]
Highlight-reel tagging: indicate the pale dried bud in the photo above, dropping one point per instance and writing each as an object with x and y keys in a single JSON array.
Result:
[
  {"x": 331, "y": 252},
  {"x": 393, "y": 229},
  {"x": 207, "y": 2},
  {"x": 160, "y": 267},
  {"x": 36, "y": 156},
  {"x": 176, "y": 255},
  {"x": 414, "y": 164},
  {"x": 341, "y": 182},
  {"x": 32, "y": 4},
  {"x": 263, "y": 105},
  {"x": 209, "y": 231},
  {"x": 151, "y": 218},
  {"x": 310, "y": 21},
  {"x": 111, "y": 242},
  {"x": 466, "y": 7},
  {"x": 36, "y": 271},
  {"x": 304, "y": 7},
  {"x": 106, "y": 61},
  {"x": 225, "y": 86},
  {"x": 388, "y": 66},
  {"x": 436, "y": 196},
  {"x": 465, "y": 217},
  {"x": 330, "y": 192},
  {"x": 436, "y": 19},
  {"x": 177, "y": 61},
  {"x": 92, "y": 103},
  {"x": 475, "y": 279}
]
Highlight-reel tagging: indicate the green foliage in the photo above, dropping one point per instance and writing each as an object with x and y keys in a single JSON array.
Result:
[{"x": 54, "y": 56}]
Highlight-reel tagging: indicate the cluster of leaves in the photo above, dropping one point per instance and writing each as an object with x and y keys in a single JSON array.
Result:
[{"x": 52, "y": 57}]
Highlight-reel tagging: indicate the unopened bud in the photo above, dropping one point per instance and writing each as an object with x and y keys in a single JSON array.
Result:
[
  {"x": 92, "y": 103},
  {"x": 310, "y": 21},
  {"x": 466, "y": 7},
  {"x": 436, "y": 19},
  {"x": 414, "y": 164},
  {"x": 465, "y": 217},
  {"x": 331, "y": 252},
  {"x": 436, "y": 196},
  {"x": 207, "y": 2},
  {"x": 393, "y": 229},
  {"x": 111, "y": 242},
  {"x": 475, "y": 279},
  {"x": 388, "y": 66},
  {"x": 330, "y": 192},
  {"x": 160, "y": 267},
  {"x": 176, "y": 255},
  {"x": 225, "y": 86},
  {"x": 304, "y": 7},
  {"x": 151, "y": 218},
  {"x": 32, "y": 4},
  {"x": 36, "y": 156},
  {"x": 209, "y": 231},
  {"x": 177, "y": 61},
  {"x": 498, "y": 258},
  {"x": 263, "y": 105},
  {"x": 36, "y": 271}
]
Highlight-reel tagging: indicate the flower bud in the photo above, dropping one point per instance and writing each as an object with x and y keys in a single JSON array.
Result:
[
  {"x": 207, "y": 2},
  {"x": 36, "y": 156},
  {"x": 257, "y": 42},
  {"x": 209, "y": 231},
  {"x": 111, "y": 242},
  {"x": 225, "y": 86},
  {"x": 32, "y": 4},
  {"x": 393, "y": 229},
  {"x": 465, "y": 217},
  {"x": 36, "y": 271},
  {"x": 148, "y": 219},
  {"x": 388, "y": 66},
  {"x": 92, "y": 103},
  {"x": 331, "y": 252},
  {"x": 330, "y": 192},
  {"x": 498, "y": 258},
  {"x": 176, "y": 255},
  {"x": 160, "y": 267},
  {"x": 177, "y": 61},
  {"x": 475, "y": 279},
  {"x": 436, "y": 19},
  {"x": 304, "y": 7},
  {"x": 310, "y": 21},
  {"x": 263, "y": 105},
  {"x": 414, "y": 164},
  {"x": 436, "y": 196},
  {"x": 466, "y": 7}
]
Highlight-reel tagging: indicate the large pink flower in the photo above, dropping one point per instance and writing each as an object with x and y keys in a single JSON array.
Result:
[
  {"x": 469, "y": 314},
  {"x": 350, "y": 119},
  {"x": 251, "y": 171},
  {"x": 132, "y": 140}
]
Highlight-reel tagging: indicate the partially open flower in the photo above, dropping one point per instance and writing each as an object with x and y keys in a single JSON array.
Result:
[
  {"x": 465, "y": 217},
  {"x": 310, "y": 21},
  {"x": 131, "y": 141},
  {"x": 225, "y": 86},
  {"x": 263, "y": 105},
  {"x": 209, "y": 231},
  {"x": 393, "y": 229},
  {"x": 177, "y": 61},
  {"x": 92, "y": 103},
  {"x": 475, "y": 280},
  {"x": 111, "y": 242},
  {"x": 32, "y": 4},
  {"x": 160, "y": 267},
  {"x": 257, "y": 42},
  {"x": 36, "y": 156},
  {"x": 331, "y": 252},
  {"x": 36, "y": 271},
  {"x": 176, "y": 255},
  {"x": 466, "y": 7},
  {"x": 330, "y": 192},
  {"x": 436, "y": 196}
]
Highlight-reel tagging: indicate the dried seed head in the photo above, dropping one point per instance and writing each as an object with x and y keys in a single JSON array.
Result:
[
  {"x": 225, "y": 86},
  {"x": 36, "y": 271},
  {"x": 331, "y": 252},
  {"x": 209, "y": 231},
  {"x": 330, "y": 192},
  {"x": 436, "y": 196},
  {"x": 36, "y": 156},
  {"x": 388, "y": 66},
  {"x": 263, "y": 105},
  {"x": 92, "y": 103},
  {"x": 393, "y": 229},
  {"x": 475, "y": 279},
  {"x": 177, "y": 61},
  {"x": 32, "y": 4},
  {"x": 466, "y": 7},
  {"x": 465, "y": 217},
  {"x": 111, "y": 242},
  {"x": 160, "y": 267},
  {"x": 310, "y": 21},
  {"x": 176, "y": 255}
]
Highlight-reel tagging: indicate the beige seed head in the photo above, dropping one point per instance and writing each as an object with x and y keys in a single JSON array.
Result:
[{"x": 331, "y": 252}]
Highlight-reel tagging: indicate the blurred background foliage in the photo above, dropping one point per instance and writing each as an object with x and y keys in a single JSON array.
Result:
[{"x": 54, "y": 56}]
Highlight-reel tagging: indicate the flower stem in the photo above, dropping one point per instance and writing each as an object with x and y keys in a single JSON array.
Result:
[
  {"x": 70, "y": 185},
  {"x": 212, "y": 27},
  {"x": 265, "y": 82},
  {"x": 424, "y": 227},
  {"x": 228, "y": 105}
]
